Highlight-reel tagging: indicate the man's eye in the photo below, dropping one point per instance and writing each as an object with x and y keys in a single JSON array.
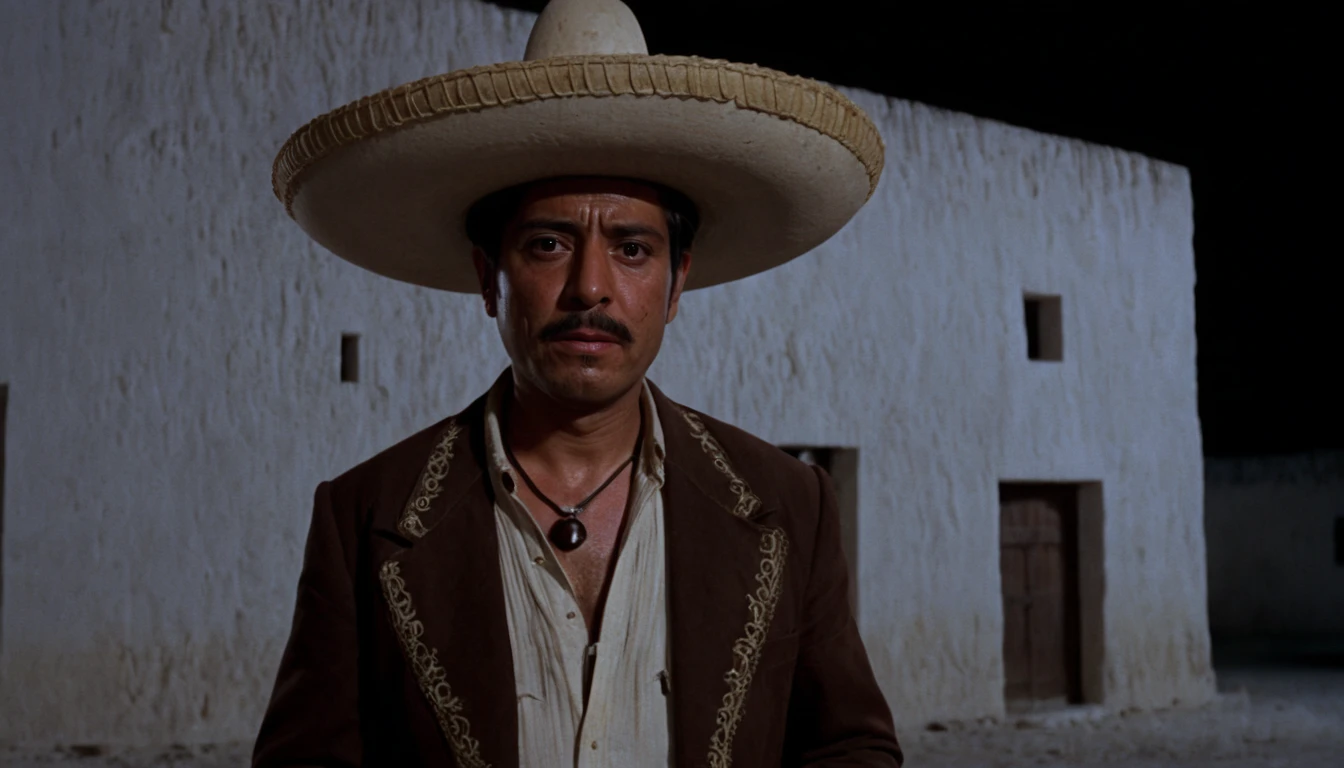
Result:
[
  {"x": 546, "y": 244},
  {"x": 632, "y": 250}
]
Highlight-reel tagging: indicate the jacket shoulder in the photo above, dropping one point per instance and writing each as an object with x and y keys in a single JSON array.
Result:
[
  {"x": 381, "y": 484},
  {"x": 781, "y": 481}
]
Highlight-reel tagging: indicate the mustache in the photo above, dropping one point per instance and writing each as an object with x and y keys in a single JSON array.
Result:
[{"x": 596, "y": 321}]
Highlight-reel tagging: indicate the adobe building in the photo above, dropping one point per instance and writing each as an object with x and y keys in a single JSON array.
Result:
[{"x": 996, "y": 359}]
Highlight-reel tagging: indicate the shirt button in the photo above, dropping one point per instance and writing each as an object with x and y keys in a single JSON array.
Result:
[
  {"x": 594, "y": 745},
  {"x": 569, "y": 615},
  {"x": 539, "y": 560},
  {"x": 507, "y": 479}
]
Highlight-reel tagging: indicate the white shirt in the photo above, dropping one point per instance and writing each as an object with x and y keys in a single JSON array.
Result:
[{"x": 627, "y": 718}]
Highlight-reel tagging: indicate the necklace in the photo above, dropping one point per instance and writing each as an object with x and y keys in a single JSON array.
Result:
[{"x": 568, "y": 532}]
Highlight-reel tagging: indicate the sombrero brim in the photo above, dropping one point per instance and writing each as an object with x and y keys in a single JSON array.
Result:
[{"x": 776, "y": 164}]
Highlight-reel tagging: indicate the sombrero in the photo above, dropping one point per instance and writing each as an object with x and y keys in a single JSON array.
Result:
[{"x": 775, "y": 164}]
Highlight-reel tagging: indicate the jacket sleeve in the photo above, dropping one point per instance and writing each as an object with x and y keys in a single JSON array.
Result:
[
  {"x": 313, "y": 715},
  {"x": 837, "y": 713}
]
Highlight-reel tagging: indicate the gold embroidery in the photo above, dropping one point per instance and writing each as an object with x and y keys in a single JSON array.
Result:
[
  {"x": 430, "y": 483},
  {"x": 747, "y": 502},
  {"x": 760, "y": 604},
  {"x": 428, "y": 671},
  {"x": 747, "y": 649}
]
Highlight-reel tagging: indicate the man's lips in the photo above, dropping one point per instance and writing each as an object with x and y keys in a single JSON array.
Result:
[{"x": 588, "y": 337}]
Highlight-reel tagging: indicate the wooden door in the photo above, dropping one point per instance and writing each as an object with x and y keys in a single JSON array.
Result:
[{"x": 1038, "y": 565}]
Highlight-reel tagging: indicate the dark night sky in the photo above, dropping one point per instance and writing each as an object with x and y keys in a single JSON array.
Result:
[{"x": 1241, "y": 98}]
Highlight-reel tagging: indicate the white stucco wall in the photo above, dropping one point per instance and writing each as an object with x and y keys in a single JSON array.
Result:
[
  {"x": 171, "y": 342},
  {"x": 1269, "y": 521}
]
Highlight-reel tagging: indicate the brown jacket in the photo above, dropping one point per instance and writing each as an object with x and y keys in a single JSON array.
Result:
[{"x": 399, "y": 651}]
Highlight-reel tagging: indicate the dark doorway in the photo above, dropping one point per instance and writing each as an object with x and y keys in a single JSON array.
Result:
[{"x": 1038, "y": 565}]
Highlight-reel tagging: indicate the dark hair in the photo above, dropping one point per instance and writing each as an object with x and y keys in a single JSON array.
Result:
[{"x": 487, "y": 218}]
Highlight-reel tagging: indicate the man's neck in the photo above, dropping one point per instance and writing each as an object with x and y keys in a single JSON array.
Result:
[{"x": 572, "y": 442}]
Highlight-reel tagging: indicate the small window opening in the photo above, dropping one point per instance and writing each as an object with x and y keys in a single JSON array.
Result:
[
  {"x": 1339, "y": 539},
  {"x": 1045, "y": 327},
  {"x": 350, "y": 357}
]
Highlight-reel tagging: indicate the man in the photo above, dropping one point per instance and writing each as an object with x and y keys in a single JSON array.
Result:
[{"x": 575, "y": 570}]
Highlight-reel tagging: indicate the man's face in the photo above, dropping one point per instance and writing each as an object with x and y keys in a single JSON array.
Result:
[{"x": 584, "y": 287}]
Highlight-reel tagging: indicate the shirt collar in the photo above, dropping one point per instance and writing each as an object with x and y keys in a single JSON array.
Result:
[{"x": 503, "y": 475}]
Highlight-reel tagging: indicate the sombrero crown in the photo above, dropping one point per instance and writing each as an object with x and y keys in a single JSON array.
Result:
[{"x": 776, "y": 164}]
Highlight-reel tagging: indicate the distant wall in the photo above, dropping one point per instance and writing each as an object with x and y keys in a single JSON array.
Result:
[
  {"x": 171, "y": 341},
  {"x": 1269, "y": 522}
]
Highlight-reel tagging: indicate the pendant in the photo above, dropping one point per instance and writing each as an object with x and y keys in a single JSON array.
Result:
[{"x": 567, "y": 534}]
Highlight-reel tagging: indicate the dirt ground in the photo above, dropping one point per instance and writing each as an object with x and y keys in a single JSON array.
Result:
[
  {"x": 1280, "y": 717},
  {"x": 1283, "y": 716}
]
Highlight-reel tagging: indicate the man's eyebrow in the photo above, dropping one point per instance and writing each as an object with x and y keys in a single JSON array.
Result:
[
  {"x": 566, "y": 226},
  {"x": 637, "y": 230},
  {"x": 572, "y": 228}
]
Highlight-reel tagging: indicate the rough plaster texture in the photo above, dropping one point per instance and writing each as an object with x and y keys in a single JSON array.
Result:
[
  {"x": 171, "y": 344},
  {"x": 1269, "y": 522}
]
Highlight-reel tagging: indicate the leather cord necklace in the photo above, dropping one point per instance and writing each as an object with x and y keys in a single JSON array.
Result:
[{"x": 569, "y": 532}]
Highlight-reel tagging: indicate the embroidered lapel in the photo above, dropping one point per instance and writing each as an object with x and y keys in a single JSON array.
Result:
[
  {"x": 725, "y": 576},
  {"x": 445, "y": 594},
  {"x": 445, "y": 599},
  {"x": 420, "y": 506}
]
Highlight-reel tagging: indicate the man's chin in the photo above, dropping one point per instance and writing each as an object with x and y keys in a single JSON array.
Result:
[{"x": 586, "y": 382}]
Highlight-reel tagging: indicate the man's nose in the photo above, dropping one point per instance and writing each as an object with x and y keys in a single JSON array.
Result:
[{"x": 589, "y": 276}]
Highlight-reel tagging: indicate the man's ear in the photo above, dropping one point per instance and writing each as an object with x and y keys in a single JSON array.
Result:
[
  {"x": 488, "y": 278},
  {"x": 678, "y": 283}
]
